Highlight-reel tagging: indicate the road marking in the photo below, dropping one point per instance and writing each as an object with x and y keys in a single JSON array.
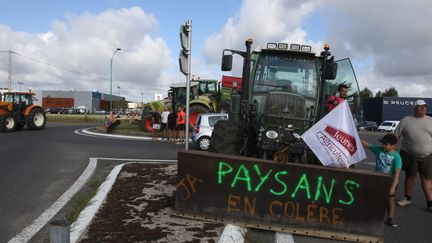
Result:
[
  {"x": 86, "y": 132},
  {"x": 232, "y": 234},
  {"x": 284, "y": 237},
  {"x": 28, "y": 232},
  {"x": 86, "y": 215}
]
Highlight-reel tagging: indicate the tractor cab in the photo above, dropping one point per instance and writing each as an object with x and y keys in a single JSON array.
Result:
[{"x": 19, "y": 100}]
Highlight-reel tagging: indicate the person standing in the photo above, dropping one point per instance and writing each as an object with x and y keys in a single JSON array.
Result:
[
  {"x": 388, "y": 161},
  {"x": 156, "y": 125},
  {"x": 164, "y": 128},
  {"x": 416, "y": 152},
  {"x": 338, "y": 98},
  {"x": 172, "y": 124},
  {"x": 181, "y": 120}
]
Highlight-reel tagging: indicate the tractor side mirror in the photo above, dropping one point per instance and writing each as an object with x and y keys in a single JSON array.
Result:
[
  {"x": 227, "y": 62},
  {"x": 331, "y": 69}
]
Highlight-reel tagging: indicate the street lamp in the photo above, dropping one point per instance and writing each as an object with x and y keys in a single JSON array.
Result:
[
  {"x": 20, "y": 84},
  {"x": 112, "y": 59}
]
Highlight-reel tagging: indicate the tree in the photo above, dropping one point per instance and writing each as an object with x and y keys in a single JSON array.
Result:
[
  {"x": 378, "y": 94},
  {"x": 390, "y": 92},
  {"x": 366, "y": 93}
]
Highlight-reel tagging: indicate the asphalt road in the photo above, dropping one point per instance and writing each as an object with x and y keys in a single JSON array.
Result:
[{"x": 37, "y": 167}]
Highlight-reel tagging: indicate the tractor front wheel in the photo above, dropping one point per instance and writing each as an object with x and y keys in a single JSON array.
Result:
[
  {"x": 194, "y": 111},
  {"x": 36, "y": 119},
  {"x": 7, "y": 123},
  {"x": 147, "y": 122},
  {"x": 227, "y": 137}
]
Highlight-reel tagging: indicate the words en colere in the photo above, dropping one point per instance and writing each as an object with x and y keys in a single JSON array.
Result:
[{"x": 287, "y": 194}]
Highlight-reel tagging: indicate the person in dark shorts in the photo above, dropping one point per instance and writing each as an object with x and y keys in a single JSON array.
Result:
[
  {"x": 416, "y": 152},
  {"x": 164, "y": 118},
  {"x": 181, "y": 121},
  {"x": 388, "y": 161},
  {"x": 172, "y": 125}
]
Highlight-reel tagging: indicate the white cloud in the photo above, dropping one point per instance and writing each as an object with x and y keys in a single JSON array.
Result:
[
  {"x": 393, "y": 34},
  {"x": 85, "y": 44},
  {"x": 264, "y": 21}
]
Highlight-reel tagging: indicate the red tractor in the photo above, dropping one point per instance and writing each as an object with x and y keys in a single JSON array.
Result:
[{"x": 17, "y": 110}]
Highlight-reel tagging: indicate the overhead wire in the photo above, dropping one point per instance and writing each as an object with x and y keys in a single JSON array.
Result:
[{"x": 58, "y": 66}]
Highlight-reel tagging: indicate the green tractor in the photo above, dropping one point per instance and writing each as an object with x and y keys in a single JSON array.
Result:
[
  {"x": 284, "y": 91},
  {"x": 204, "y": 97}
]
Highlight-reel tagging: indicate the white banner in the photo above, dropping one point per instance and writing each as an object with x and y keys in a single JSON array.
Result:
[{"x": 334, "y": 138}]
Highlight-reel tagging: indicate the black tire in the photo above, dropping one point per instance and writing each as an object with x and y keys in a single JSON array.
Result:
[
  {"x": 19, "y": 126},
  {"x": 36, "y": 120},
  {"x": 204, "y": 143},
  {"x": 227, "y": 137},
  {"x": 194, "y": 111},
  {"x": 7, "y": 123},
  {"x": 147, "y": 122}
]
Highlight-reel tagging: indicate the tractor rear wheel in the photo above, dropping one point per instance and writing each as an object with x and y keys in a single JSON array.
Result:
[
  {"x": 36, "y": 119},
  {"x": 147, "y": 122},
  {"x": 194, "y": 111},
  {"x": 7, "y": 123},
  {"x": 227, "y": 137}
]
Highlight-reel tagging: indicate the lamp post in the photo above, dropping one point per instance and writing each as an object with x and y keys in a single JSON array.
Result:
[
  {"x": 112, "y": 59},
  {"x": 20, "y": 84}
]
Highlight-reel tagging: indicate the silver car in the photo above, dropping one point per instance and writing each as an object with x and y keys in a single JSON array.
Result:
[{"x": 204, "y": 127}]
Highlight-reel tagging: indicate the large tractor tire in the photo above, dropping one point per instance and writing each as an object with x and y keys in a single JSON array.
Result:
[
  {"x": 36, "y": 120},
  {"x": 147, "y": 122},
  {"x": 227, "y": 137},
  {"x": 194, "y": 111},
  {"x": 7, "y": 123}
]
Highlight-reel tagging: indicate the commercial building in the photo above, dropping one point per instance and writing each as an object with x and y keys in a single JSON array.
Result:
[
  {"x": 92, "y": 101},
  {"x": 390, "y": 108}
]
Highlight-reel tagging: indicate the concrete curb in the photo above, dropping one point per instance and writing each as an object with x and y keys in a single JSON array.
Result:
[{"x": 86, "y": 215}]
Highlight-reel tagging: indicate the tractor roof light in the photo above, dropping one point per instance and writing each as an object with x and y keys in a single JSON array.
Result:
[
  {"x": 295, "y": 47},
  {"x": 326, "y": 47},
  {"x": 283, "y": 46},
  {"x": 271, "y": 45},
  {"x": 305, "y": 48}
]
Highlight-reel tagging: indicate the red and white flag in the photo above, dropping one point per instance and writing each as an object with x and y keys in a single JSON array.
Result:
[{"x": 334, "y": 138}]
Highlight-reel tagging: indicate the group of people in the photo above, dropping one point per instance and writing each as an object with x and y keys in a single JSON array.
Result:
[
  {"x": 414, "y": 135},
  {"x": 171, "y": 123},
  {"x": 415, "y": 132}
]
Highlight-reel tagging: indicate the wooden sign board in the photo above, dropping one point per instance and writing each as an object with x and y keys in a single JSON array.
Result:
[{"x": 312, "y": 200}]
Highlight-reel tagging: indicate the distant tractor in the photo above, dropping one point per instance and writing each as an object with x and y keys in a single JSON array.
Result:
[
  {"x": 204, "y": 97},
  {"x": 17, "y": 110}
]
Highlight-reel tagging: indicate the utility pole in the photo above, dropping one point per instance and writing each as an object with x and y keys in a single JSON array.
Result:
[{"x": 10, "y": 71}]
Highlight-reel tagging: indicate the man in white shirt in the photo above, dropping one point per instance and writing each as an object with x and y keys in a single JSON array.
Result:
[
  {"x": 416, "y": 152},
  {"x": 164, "y": 116}
]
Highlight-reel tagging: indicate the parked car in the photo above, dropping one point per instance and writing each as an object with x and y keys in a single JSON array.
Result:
[
  {"x": 388, "y": 126},
  {"x": 204, "y": 127},
  {"x": 367, "y": 126}
]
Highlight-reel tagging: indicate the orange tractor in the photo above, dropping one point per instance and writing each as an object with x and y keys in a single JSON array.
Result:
[{"x": 17, "y": 110}]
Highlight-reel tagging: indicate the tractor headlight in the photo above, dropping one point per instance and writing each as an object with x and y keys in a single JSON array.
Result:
[
  {"x": 297, "y": 136},
  {"x": 305, "y": 48},
  {"x": 271, "y": 45},
  {"x": 271, "y": 134},
  {"x": 295, "y": 47},
  {"x": 283, "y": 46}
]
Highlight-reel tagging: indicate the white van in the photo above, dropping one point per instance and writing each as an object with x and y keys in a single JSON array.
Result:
[{"x": 388, "y": 126}]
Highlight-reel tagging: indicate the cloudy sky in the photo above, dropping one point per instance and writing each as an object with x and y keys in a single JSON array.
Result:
[{"x": 67, "y": 45}]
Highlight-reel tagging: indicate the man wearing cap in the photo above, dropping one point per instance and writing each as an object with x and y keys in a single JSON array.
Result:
[{"x": 416, "y": 152}]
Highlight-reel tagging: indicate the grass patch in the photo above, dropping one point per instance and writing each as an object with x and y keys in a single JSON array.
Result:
[
  {"x": 83, "y": 199},
  {"x": 76, "y": 118}
]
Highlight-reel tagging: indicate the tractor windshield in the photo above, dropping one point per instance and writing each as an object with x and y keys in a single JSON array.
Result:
[{"x": 292, "y": 74}]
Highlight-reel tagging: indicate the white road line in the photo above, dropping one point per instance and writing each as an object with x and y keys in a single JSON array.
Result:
[
  {"x": 28, "y": 232},
  {"x": 284, "y": 237},
  {"x": 87, "y": 132},
  {"x": 139, "y": 160},
  {"x": 232, "y": 234},
  {"x": 86, "y": 215}
]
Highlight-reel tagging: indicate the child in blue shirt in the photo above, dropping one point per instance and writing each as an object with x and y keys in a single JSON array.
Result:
[{"x": 388, "y": 161}]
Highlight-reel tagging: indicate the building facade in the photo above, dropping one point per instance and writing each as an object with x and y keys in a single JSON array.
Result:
[
  {"x": 390, "y": 108},
  {"x": 93, "y": 101}
]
